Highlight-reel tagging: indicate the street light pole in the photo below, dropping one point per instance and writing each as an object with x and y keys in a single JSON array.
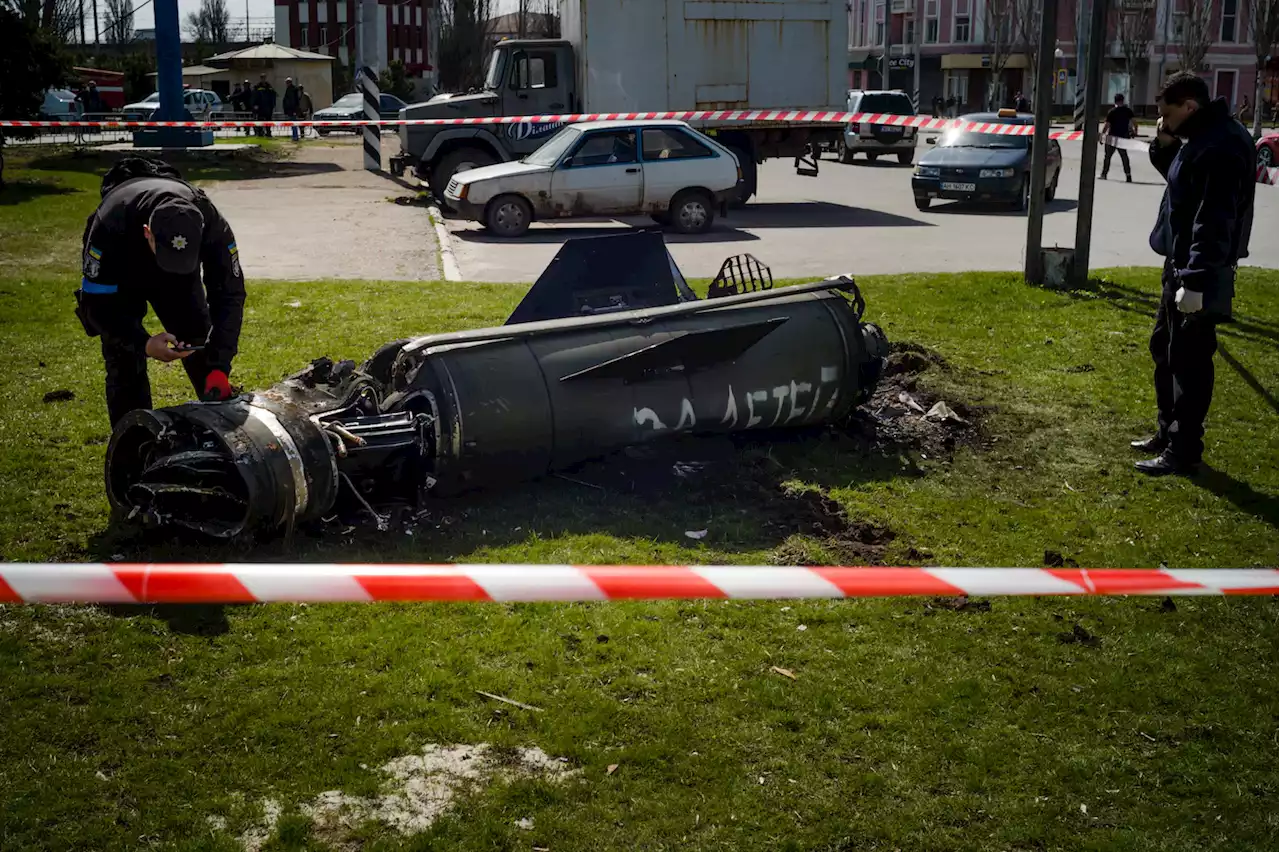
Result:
[
  {"x": 1089, "y": 155},
  {"x": 1034, "y": 261}
]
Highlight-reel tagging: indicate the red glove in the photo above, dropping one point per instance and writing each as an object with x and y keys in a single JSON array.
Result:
[{"x": 216, "y": 386}]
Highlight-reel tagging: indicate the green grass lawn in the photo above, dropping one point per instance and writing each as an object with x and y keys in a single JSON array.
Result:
[{"x": 911, "y": 724}]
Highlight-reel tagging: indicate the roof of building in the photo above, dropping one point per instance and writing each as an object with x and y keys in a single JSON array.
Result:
[
  {"x": 196, "y": 71},
  {"x": 270, "y": 50}
]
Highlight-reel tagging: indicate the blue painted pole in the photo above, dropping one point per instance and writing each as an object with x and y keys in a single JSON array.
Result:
[
  {"x": 169, "y": 85},
  {"x": 168, "y": 61}
]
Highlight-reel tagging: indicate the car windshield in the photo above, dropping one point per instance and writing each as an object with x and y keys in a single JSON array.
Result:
[
  {"x": 886, "y": 103},
  {"x": 352, "y": 100},
  {"x": 493, "y": 79},
  {"x": 967, "y": 139},
  {"x": 153, "y": 98},
  {"x": 553, "y": 148}
]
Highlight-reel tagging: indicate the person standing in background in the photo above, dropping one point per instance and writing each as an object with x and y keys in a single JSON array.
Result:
[{"x": 1120, "y": 123}]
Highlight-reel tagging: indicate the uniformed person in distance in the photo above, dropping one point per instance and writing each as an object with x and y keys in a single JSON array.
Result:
[
  {"x": 1203, "y": 228},
  {"x": 146, "y": 244}
]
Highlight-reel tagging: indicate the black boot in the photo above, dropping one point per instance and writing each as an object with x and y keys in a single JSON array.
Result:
[
  {"x": 1154, "y": 444},
  {"x": 1128, "y": 178},
  {"x": 1166, "y": 463}
]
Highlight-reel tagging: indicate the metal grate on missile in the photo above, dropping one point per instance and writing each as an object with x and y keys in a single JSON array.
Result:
[{"x": 610, "y": 348}]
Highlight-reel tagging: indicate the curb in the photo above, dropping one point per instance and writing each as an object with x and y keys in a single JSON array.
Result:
[{"x": 448, "y": 261}]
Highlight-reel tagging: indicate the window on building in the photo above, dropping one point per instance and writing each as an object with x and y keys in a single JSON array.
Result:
[
  {"x": 956, "y": 85},
  {"x": 324, "y": 37},
  {"x": 962, "y": 28},
  {"x": 931, "y": 31},
  {"x": 1179, "y": 26},
  {"x": 1230, "y": 13},
  {"x": 303, "y": 41},
  {"x": 909, "y": 31},
  {"x": 342, "y": 11},
  {"x": 303, "y": 13},
  {"x": 322, "y": 13},
  {"x": 879, "y": 32},
  {"x": 417, "y": 16}
]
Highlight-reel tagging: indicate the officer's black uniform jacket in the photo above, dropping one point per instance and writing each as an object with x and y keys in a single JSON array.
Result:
[{"x": 120, "y": 270}]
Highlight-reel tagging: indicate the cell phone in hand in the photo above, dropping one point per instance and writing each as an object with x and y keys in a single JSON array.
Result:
[{"x": 189, "y": 347}]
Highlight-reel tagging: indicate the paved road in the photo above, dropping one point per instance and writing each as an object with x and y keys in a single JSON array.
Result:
[
  {"x": 320, "y": 215},
  {"x": 862, "y": 219}
]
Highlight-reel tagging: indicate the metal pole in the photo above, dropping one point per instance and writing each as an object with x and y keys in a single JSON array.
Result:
[
  {"x": 915, "y": 71},
  {"x": 1034, "y": 264},
  {"x": 95, "y": 23},
  {"x": 1083, "y": 9},
  {"x": 888, "y": 37},
  {"x": 1089, "y": 156}
]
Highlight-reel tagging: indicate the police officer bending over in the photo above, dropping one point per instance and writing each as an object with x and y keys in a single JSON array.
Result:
[
  {"x": 145, "y": 244},
  {"x": 1207, "y": 158}
]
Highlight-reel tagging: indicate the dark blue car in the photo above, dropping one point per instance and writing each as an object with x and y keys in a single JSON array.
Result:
[{"x": 983, "y": 167}]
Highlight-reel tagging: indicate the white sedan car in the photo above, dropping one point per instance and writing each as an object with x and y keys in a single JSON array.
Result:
[{"x": 604, "y": 168}]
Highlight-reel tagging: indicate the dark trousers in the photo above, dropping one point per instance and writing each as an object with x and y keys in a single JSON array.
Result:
[
  {"x": 1182, "y": 346},
  {"x": 184, "y": 313},
  {"x": 1124, "y": 160}
]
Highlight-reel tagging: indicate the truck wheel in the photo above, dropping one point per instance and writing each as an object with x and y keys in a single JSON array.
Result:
[
  {"x": 871, "y": 158},
  {"x": 692, "y": 212},
  {"x": 322, "y": 131},
  {"x": 906, "y": 157},
  {"x": 460, "y": 160},
  {"x": 663, "y": 219},
  {"x": 846, "y": 153},
  {"x": 508, "y": 216}
]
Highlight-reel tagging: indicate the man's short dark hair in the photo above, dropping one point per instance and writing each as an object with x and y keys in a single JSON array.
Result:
[
  {"x": 1182, "y": 87},
  {"x": 1119, "y": 99}
]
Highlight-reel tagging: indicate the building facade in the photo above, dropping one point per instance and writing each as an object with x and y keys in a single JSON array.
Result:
[
  {"x": 952, "y": 41},
  {"x": 329, "y": 27}
]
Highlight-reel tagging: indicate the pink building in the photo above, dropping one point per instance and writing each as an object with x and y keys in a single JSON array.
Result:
[{"x": 954, "y": 50}]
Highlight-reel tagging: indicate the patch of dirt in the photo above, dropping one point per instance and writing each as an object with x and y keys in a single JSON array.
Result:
[
  {"x": 418, "y": 789},
  {"x": 898, "y": 419}
]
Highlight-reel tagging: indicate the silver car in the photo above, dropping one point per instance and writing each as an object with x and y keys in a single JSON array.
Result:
[
  {"x": 666, "y": 169},
  {"x": 876, "y": 139}
]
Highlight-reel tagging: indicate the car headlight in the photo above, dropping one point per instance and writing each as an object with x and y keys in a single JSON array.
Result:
[
  {"x": 927, "y": 171},
  {"x": 995, "y": 173}
]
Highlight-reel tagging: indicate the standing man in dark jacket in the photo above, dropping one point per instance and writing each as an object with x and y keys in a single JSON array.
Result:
[
  {"x": 264, "y": 103},
  {"x": 1207, "y": 159},
  {"x": 1120, "y": 123},
  {"x": 144, "y": 245},
  {"x": 290, "y": 105}
]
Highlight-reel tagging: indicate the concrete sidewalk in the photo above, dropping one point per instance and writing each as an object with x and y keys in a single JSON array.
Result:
[{"x": 321, "y": 215}]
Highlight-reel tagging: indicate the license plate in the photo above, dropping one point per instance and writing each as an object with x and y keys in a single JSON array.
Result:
[{"x": 959, "y": 187}]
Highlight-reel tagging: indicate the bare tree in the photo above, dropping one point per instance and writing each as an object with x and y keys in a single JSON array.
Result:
[
  {"x": 1196, "y": 35},
  {"x": 119, "y": 24},
  {"x": 211, "y": 23},
  {"x": 1134, "y": 25},
  {"x": 59, "y": 18},
  {"x": 463, "y": 43},
  {"x": 1263, "y": 19},
  {"x": 999, "y": 21},
  {"x": 1027, "y": 17}
]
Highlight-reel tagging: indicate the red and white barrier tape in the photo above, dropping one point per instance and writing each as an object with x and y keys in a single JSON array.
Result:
[
  {"x": 318, "y": 582},
  {"x": 1267, "y": 175},
  {"x": 788, "y": 116}
]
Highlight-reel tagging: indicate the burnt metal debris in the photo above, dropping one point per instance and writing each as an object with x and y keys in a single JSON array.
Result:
[{"x": 609, "y": 348}]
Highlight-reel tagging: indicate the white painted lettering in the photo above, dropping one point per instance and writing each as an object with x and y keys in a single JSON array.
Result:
[
  {"x": 648, "y": 415},
  {"x": 731, "y": 411},
  {"x": 752, "y": 398},
  {"x": 779, "y": 393},
  {"x": 796, "y": 390},
  {"x": 687, "y": 418}
]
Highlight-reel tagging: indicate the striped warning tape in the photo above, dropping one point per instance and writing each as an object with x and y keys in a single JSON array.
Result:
[
  {"x": 767, "y": 115},
  {"x": 316, "y": 582}
]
